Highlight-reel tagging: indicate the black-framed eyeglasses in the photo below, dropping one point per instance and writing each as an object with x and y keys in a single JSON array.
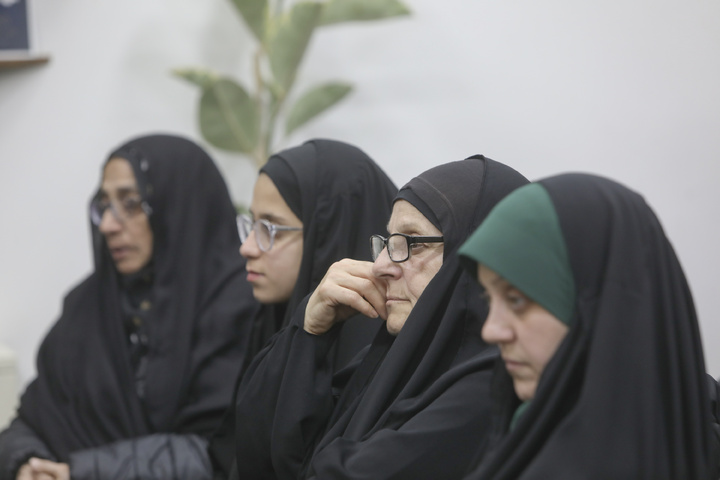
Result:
[
  {"x": 398, "y": 245},
  {"x": 264, "y": 231},
  {"x": 123, "y": 209}
]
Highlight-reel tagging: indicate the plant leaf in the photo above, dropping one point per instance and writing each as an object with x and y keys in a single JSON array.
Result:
[
  {"x": 254, "y": 13},
  {"x": 228, "y": 117},
  {"x": 199, "y": 76},
  {"x": 315, "y": 101},
  {"x": 287, "y": 47},
  {"x": 336, "y": 11}
]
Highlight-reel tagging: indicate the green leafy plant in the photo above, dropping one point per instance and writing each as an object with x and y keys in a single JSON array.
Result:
[{"x": 239, "y": 119}]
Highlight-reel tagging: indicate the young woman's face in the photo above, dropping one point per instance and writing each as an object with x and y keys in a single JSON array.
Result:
[
  {"x": 130, "y": 238},
  {"x": 406, "y": 281},
  {"x": 527, "y": 334},
  {"x": 273, "y": 274}
]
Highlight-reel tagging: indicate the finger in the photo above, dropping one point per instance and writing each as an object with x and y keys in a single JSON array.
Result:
[
  {"x": 371, "y": 293},
  {"x": 42, "y": 468},
  {"x": 25, "y": 473},
  {"x": 350, "y": 301},
  {"x": 357, "y": 275},
  {"x": 45, "y": 476}
]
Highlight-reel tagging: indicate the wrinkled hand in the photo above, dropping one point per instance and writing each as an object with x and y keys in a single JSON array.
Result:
[
  {"x": 348, "y": 287},
  {"x": 25, "y": 473},
  {"x": 38, "y": 469}
]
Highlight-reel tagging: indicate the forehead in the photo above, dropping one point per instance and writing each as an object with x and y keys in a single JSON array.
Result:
[
  {"x": 407, "y": 219},
  {"x": 118, "y": 174},
  {"x": 268, "y": 203},
  {"x": 488, "y": 277}
]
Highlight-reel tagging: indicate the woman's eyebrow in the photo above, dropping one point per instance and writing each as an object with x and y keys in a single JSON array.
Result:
[
  {"x": 272, "y": 218},
  {"x": 406, "y": 227},
  {"x": 120, "y": 190},
  {"x": 498, "y": 281}
]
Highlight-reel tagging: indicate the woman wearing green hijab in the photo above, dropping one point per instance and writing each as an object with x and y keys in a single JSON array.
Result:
[{"x": 602, "y": 373}]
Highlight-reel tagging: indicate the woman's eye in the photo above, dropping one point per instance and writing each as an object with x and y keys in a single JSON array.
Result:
[
  {"x": 516, "y": 300},
  {"x": 131, "y": 204}
]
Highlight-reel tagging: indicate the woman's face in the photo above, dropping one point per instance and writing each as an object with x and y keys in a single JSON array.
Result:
[
  {"x": 527, "y": 334},
  {"x": 273, "y": 274},
  {"x": 406, "y": 281},
  {"x": 129, "y": 239}
]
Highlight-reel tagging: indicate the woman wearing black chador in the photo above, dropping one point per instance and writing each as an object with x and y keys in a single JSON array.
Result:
[
  {"x": 134, "y": 375},
  {"x": 602, "y": 374}
]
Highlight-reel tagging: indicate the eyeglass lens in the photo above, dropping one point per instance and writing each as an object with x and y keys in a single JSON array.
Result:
[
  {"x": 122, "y": 210},
  {"x": 263, "y": 235},
  {"x": 397, "y": 247}
]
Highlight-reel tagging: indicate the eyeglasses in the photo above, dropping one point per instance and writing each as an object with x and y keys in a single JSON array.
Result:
[
  {"x": 123, "y": 209},
  {"x": 398, "y": 245},
  {"x": 264, "y": 231}
]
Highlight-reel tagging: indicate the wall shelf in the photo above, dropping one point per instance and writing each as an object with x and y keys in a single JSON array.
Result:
[{"x": 11, "y": 62}]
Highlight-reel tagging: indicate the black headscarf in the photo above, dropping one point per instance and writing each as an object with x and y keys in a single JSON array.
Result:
[
  {"x": 342, "y": 197},
  {"x": 198, "y": 321},
  {"x": 625, "y": 395},
  {"x": 439, "y": 343}
]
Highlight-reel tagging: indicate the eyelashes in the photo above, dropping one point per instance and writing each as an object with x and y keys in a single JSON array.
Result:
[{"x": 511, "y": 297}]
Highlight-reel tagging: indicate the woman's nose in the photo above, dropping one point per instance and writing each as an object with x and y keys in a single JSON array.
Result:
[
  {"x": 109, "y": 222},
  {"x": 249, "y": 248},
  {"x": 496, "y": 330},
  {"x": 384, "y": 267}
]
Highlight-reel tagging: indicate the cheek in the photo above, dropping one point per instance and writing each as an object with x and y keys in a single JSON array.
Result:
[
  {"x": 292, "y": 258},
  {"x": 149, "y": 243},
  {"x": 542, "y": 347},
  {"x": 285, "y": 267},
  {"x": 143, "y": 236},
  {"x": 419, "y": 278}
]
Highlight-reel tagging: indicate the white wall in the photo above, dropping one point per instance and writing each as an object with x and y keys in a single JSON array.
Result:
[{"x": 624, "y": 88}]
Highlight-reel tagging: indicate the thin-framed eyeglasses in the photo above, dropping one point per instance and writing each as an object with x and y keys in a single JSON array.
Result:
[
  {"x": 399, "y": 245},
  {"x": 122, "y": 209},
  {"x": 264, "y": 231}
]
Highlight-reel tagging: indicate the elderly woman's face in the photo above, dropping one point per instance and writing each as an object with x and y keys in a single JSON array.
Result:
[
  {"x": 273, "y": 274},
  {"x": 128, "y": 234},
  {"x": 406, "y": 281},
  {"x": 527, "y": 334}
]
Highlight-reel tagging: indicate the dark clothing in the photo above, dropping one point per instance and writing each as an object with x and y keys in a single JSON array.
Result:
[
  {"x": 625, "y": 395},
  {"x": 95, "y": 391},
  {"x": 342, "y": 197},
  {"x": 410, "y": 406},
  {"x": 156, "y": 456},
  {"x": 714, "y": 389}
]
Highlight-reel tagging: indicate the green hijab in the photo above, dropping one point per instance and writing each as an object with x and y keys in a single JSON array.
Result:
[{"x": 521, "y": 241}]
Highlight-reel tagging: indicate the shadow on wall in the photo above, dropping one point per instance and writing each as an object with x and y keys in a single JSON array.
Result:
[{"x": 8, "y": 386}]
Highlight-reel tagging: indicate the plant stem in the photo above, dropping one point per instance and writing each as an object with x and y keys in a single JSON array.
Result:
[{"x": 260, "y": 153}]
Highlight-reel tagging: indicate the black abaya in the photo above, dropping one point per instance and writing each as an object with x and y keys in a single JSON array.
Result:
[
  {"x": 625, "y": 395},
  {"x": 197, "y": 320}
]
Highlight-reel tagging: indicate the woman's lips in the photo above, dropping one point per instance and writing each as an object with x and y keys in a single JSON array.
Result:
[
  {"x": 511, "y": 365},
  {"x": 118, "y": 253},
  {"x": 253, "y": 276}
]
